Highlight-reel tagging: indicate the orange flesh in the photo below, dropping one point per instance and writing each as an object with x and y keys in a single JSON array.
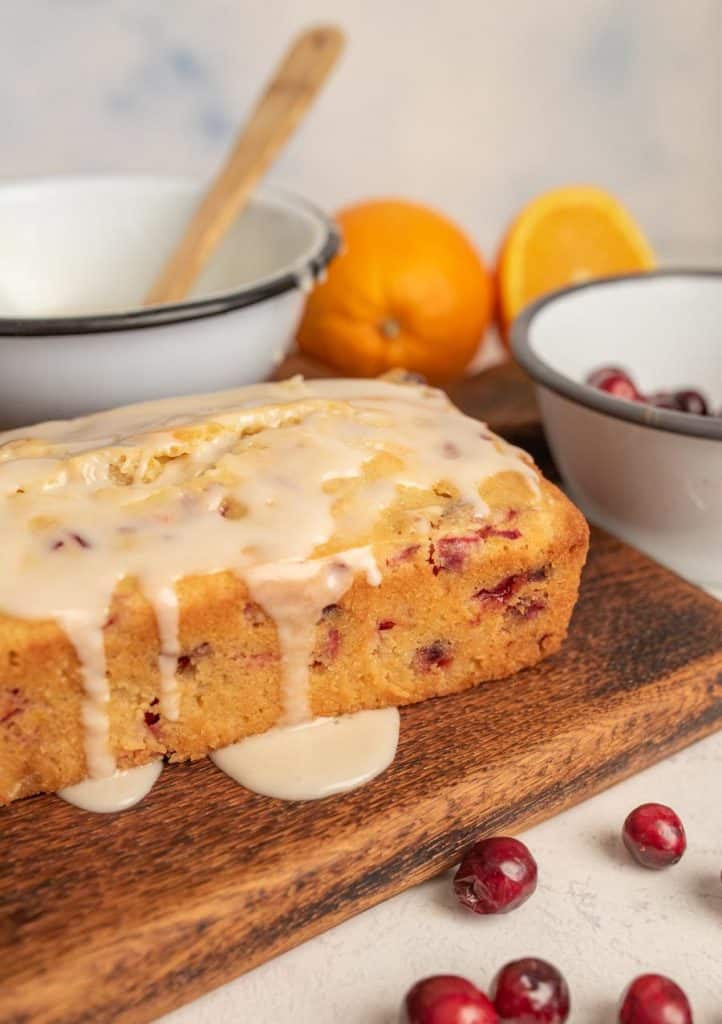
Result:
[{"x": 564, "y": 237}]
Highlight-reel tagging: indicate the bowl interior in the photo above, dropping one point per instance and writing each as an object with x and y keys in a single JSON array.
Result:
[
  {"x": 78, "y": 246},
  {"x": 665, "y": 329}
]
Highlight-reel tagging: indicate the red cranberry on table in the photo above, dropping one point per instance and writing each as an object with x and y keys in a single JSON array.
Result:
[
  {"x": 654, "y": 999},
  {"x": 654, "y": 835},
  {"x": 446, "y": 999},
  {"x": 530, "y": 991},
  {"x": 496, "y": 875}
]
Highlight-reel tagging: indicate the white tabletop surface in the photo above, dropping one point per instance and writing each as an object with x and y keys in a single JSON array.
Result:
[{"x": 596, "y": 915}]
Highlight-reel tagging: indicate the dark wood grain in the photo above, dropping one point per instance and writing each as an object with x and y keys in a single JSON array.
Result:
[{"x": 122, "y": 918}]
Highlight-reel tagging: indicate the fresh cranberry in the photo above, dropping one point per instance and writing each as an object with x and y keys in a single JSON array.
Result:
[
  {"x": 654, "y": 999},
  {"x": 621, "y": 387},
  {"x": 615, "y": 382},
  {"x": 597, "y": 377},
  {"x": 665, "y": 400},
  {"x": 447, "y": 999},
  {"x": 654, "y": 836},
  {"x": 495, "y": 876},
  {"x": 530, "y": 991},
  {"x": 692, "y": 401}
]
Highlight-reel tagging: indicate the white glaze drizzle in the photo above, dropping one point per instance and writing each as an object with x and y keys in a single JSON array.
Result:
[
  {"x": 314, "y": 759},
  {"x": 306, "y": 761},
  {"x": 86, "y": 635},
  {"x": 115, "y": 792},
  {"x": 165, "y": 604},
  {"x": 297, "y": 592},
  {"x": 261, "y": 481}
]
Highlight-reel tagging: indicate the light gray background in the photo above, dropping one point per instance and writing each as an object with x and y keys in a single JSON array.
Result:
[{"x": 473, "y": 105}]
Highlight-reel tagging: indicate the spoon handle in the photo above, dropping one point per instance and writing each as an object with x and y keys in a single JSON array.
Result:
[{"x": 286, "y": 98}]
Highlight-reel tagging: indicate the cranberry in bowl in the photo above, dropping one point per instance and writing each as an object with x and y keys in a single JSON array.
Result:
[{"x": 619, "y": 365}]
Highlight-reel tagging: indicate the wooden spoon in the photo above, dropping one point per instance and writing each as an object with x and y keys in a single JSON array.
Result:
[{"x": 287, "y": 97}]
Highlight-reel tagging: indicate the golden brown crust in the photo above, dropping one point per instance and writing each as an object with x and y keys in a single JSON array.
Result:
[{"x": 464, "y": 605}]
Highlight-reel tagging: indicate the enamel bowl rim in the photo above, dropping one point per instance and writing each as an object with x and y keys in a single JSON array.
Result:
[
  {"x": 312, "y": 263},
  {"x": 690, "y": 424}
]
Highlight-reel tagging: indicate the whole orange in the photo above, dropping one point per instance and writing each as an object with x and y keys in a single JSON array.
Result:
[{"x": 408, "y": 290}]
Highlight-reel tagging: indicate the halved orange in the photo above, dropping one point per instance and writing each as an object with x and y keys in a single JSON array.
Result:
[{"x": 564, "y": 237}]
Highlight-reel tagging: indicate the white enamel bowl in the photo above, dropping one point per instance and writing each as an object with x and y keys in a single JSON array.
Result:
[
  {"x": 76, "y": 256},
  {"x": 652, "y": 476}
]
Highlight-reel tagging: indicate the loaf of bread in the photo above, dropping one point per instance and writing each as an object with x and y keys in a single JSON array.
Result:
[{"x": 178, "y": 575}]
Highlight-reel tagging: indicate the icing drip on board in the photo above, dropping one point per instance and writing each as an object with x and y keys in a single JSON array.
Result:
[
  {"x": 314, "y": 759},
  {"x": 115, "y": 792},
  {"x": 307, "y": 761},
  {"x": 281, "y": 484}
]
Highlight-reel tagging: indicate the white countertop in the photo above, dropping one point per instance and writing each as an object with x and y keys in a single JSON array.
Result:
[{"x": 596, "y": 915}]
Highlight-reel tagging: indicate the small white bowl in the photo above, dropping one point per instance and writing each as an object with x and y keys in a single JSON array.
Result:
[
  {"x": 77, "y": 255},
  {"x": 652, "y": 476}
]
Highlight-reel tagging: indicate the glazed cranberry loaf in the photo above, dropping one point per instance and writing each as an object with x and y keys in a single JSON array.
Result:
[{"x": 182, "y": 574}]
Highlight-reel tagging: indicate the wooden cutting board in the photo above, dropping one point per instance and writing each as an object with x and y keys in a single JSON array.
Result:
[{"x": 121, "y": 918}]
